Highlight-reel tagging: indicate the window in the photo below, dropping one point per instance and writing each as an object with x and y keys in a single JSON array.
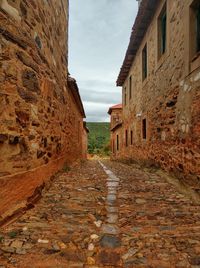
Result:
[
  {"x": 117, "y": 142},
  {"x": 125, "y": 96},
  {"x": 144, "y": 129},
  {"x": 195, "y": 28},
  {"x": 126, "y": 138},
  {"x": 130, "y": 87},
  {"x": 113, "y": 146},
  {"x": 144, "y": 63},
  {"x": 198, "y": 29},
  {"x": 131, "y": 137},
  {"x": 162, "y": 31}
]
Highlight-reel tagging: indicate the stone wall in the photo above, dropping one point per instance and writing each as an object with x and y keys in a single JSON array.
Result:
[
  {"x": 41, "y": 122},
  {"x": 85, "y": 141},
  {"x": 169, "y": 99},
  {"x": 115, "y": 126},
  {"x": 116, "y": 117},
  {"x": 116, "y": 149}
]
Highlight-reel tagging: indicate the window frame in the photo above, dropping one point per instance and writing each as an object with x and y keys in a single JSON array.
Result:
[
  {"x": 130, "y": 87},
  {"x": 144, "y": 129},
  {"x": 194, "y": 35},
  {"x": 125, "y": 97},
  {"x": 144, "y": 62},
  {"x": 131, "y": 135},
  {"x": 126, "y": 138},
  {"x": 117, "y": 142},
  {"x": 162, "y": 42}
]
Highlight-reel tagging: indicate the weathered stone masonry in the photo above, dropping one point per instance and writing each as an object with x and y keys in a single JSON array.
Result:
[
  {"x": 41, "y": 114},
  {"x": 167, "y": 102},
  {"x": 115, "y": 113}
]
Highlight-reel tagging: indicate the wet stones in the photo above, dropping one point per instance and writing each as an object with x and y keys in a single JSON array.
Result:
[{"x": 30, "y": 81}]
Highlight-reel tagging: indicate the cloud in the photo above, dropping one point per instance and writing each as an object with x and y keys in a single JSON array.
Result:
[
  {"x": 97, "y": 112},
  {"x": 98, "y": 38},
  {"x": 100, "y": 91}
]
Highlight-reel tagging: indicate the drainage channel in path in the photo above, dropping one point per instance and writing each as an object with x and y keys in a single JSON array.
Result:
[{"x": 111, "y": 242}]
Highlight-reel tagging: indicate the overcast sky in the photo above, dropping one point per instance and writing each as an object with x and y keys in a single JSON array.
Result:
[{"x": 99, "y": 33}]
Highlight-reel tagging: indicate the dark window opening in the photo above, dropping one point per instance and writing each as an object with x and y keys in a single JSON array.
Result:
[
  {"x": 198, "y": 29},
  {"x": 113, "y": 146},
  {"x": 117, "y": 142},
  {"x": 162, "y": 31},
  {"x": 144, "y": 63},
  {"x": 125, "y": 96},
  {"x": 144, "y": 129},
  {"x": 126, "y": 138},
  {"x": 195, "y": 28},
  {"x": 131, "y": 137},
  {"x": 130, "y": 87}
]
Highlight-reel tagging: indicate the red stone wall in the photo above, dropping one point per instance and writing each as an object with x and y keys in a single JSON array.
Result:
[
  {"x": 116, "y": 117},
  {"x": 40, "y": 123},
  {"x": 85, "y": 142},
  {"x": 116, "y": 153},
  {"x": 169, "y": 99},
  {"x": 116, "y": 129}
]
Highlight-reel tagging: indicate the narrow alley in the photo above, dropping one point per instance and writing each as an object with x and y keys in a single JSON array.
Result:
[{"x": 106, "y": 214}]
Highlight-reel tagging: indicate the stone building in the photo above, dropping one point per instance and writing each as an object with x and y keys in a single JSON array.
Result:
[
  {"x": 41, "y": 113},
  {"x": 115, "y": 113},
  {"x": 160, "y": 77},
  {"x": 85, "y": 140}
]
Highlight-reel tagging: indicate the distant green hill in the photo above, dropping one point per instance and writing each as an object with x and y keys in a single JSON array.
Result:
[{"x": 99, "y": 138}]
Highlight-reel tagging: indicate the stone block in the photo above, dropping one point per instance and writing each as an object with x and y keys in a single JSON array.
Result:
[{"x": 30, "y": 81}]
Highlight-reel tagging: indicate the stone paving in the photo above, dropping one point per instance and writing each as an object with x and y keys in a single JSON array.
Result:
[{"x": 106, "y": 214}]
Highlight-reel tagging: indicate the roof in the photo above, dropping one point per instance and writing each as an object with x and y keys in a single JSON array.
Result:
[
  {"x": 75, "y": 92},
  {"x": 144, "y": 17},
  {"x": 117, "y": 106}
]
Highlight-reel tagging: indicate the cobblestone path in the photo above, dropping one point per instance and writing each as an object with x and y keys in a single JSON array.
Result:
[{"x": 106, "y": 214}]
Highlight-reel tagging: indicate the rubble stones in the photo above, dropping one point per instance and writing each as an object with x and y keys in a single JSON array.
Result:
[
  {"x": 3, "y": 138},
  {"x": 110, "y": 241},
  {"x": 148, "y": 235}
]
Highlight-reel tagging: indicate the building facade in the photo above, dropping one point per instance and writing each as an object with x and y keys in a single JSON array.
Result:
[
  {"x": 160, "y": 77},
  {"x": 85, "y": 140},
  {"x": 41, "y": 113},
  {"x": 116, "y": 138}
]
